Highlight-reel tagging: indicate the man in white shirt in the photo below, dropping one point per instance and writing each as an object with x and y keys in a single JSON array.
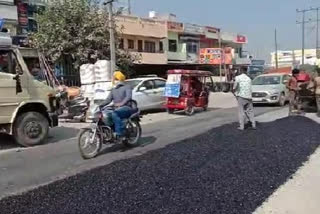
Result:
[{"x": 243, "y": 91}]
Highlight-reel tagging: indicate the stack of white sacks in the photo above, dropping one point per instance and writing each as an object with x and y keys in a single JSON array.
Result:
[{"x": 96, "y": 80}]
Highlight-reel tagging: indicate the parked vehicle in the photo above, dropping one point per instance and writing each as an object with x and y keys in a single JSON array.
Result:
[
  {"x": 186, "y": 90},
  {"x": 270, "y": 89},
  {"x": 148, "y": 91},
  {"x": 73, "y": 108},
  {"x": 90, "y": 140},
  {"x": 28, "y": 107}
]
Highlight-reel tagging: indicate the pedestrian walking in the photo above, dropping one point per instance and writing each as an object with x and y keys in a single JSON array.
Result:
[
  {"x": 317, "y": 87},
  {"x": 293, "y": 87},
  {"x": 243, "y": 91}
]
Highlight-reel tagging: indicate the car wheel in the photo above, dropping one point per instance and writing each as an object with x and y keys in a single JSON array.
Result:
[
  {"x": 189, "y": 110},
  {"x": 30, "y": 129},
  {"x": 170, "y": 110},
  {"x": 282, "y": 100}
]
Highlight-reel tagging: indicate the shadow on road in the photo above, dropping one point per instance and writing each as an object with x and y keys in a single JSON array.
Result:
[
  {"x": 7, "y": 142},
  {"x": 143, "y": 142},
  {"x": 62, "y": 133}
]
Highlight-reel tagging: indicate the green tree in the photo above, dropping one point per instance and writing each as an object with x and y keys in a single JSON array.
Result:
[{"x": 78, "y": 29}]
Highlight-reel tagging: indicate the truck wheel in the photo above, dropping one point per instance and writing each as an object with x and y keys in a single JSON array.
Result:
[{"x": 30, "y": 129}]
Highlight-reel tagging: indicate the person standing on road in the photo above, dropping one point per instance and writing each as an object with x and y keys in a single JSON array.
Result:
[
  {"x": 243, "y": 91},
  {"x": 292, "y": 85},
  {"x": 317, "y": 87}
]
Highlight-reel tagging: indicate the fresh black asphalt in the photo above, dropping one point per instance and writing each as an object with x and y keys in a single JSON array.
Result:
[{"x": 221, "y": 171}]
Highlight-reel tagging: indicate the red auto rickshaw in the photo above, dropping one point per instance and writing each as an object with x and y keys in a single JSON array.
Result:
[{"x": 187, "y": 90}]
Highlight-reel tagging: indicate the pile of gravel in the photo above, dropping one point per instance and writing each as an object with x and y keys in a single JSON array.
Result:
[{"x": 222, "y": 171}]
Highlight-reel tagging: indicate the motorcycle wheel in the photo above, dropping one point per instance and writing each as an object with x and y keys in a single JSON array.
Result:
[
  {"x": 89, "y": 145},
  {"x": 133, "y": 135}
]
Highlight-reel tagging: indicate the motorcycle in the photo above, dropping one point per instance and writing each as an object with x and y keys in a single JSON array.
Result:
[
  {"x": 90, "y": 140},
  {"x": 73, "y": 109}
]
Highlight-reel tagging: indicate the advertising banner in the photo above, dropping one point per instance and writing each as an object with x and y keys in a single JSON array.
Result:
[
  {"x": 173, "y": 86},
  {"x": 23, "y": 22},
  {"x": 216, "y": 56},
  {"x": 213, "y": 56}
]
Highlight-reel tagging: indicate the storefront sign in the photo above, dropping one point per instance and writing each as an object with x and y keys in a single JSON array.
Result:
[
  {"x": 212, "y": 33},
  {"x": 22, "y": 15},
  {"x": 175, "y": 26},
  {"x": 194, "y": 29},
  {"x": 216, "y": 56},
  {"x": 213, "y": 56},
  {"x": 241, "y": 39}
]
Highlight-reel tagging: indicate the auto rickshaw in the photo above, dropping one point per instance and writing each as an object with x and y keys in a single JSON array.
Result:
[{"x": 187, "y": 90}]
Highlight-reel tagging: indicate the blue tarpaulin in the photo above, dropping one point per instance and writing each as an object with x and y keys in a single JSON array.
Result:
[
  {"x": 172, "y": 90},
  {"x": 1, "y": 23}
]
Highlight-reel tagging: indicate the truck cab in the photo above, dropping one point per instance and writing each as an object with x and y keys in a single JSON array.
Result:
[{"x": 28, "y": 106}]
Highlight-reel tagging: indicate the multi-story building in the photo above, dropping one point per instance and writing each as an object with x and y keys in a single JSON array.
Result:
[
  {"x": 176, "y": 49},
  {"x": 9, "y": 14},
  {"x": 143, "y": 37},
  {"x": 294, "y": 58}
]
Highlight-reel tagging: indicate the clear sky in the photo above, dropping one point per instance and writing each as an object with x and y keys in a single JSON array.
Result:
[{"x": 255, "y": 18}]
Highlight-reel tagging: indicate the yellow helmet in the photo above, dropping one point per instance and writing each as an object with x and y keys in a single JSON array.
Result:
[{"x": 118, "y": 75}]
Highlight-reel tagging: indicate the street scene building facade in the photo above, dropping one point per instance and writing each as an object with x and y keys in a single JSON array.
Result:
[{"x": 294, "y": 58}]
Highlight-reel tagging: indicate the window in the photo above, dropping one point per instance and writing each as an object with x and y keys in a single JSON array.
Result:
[
  {"x": 8, "y": 62},
  {"x": 161, "y": 46},
  {"x": 149, "y": 47},
  {"x": 148, "y": 84},
  {"x": 121, "y": 44},
  {"x": 172, "y": 45},
  {"x": 192, "y": 48},
  {"x": 140, "y": 46},
  {"x": 130, "y": 44},
  {"x": 160, "y": 83}
]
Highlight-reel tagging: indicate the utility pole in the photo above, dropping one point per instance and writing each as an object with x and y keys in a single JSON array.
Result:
[
  {"x": 303, "y": 22},
  {"x": 112, "y": 39},
  {"x": 220, "y": 64},
  {"x": 129, "y": 7},
  {"x": 317, "y": 36},
  {"x": 276, "y": 46}
]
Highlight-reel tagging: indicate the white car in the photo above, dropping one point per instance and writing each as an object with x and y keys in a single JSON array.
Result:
[{"x": 148, "y": 92}]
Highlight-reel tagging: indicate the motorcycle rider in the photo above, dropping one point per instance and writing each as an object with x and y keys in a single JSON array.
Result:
[{"x": 121, "y": 95}]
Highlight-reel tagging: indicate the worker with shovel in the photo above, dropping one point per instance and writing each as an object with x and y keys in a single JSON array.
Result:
[{"x": 242, "y": 89}]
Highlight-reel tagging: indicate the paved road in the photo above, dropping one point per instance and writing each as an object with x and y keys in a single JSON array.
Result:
[
  {"x": 22, "y": 169},
  {"x": 220, "y": 171}
]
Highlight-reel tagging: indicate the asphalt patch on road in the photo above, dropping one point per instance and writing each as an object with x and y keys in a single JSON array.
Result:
[{"x": 221, "y": 171}]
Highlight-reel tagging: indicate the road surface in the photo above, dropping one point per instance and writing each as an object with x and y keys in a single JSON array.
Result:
[
  {"x": 222, "y": 170},
  {"x": 23, "y": 169}
]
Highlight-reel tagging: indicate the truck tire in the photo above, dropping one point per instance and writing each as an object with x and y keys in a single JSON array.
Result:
[{"x": 30, "y": 129}]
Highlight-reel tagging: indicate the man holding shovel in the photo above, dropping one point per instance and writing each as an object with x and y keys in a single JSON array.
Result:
[{"x": 242, "y": 89}]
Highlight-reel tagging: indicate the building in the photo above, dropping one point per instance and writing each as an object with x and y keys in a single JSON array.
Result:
[
  {"x": 294, "y": 58},
  {"x": 143, "y": 37},
  {"x": 9, "y": 14},
  {"x": 176, "y": 49}
]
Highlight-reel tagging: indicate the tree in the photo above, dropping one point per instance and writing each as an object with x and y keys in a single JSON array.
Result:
[{"x": 78, "y": 29}]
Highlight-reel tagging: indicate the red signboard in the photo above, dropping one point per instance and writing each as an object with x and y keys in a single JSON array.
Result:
[
  {"x": 175, "y": 26},
  {"x": 22, "y": 14},
  {"x": 241, "y": 39},
  {"x": 212, "y": 29}
]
